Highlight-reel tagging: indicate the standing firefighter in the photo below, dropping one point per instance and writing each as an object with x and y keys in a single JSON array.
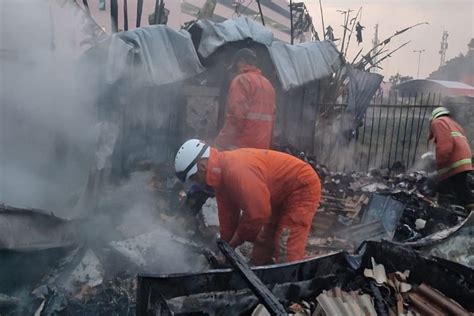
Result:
[
  {"x": 453, "y": 155},
  {"x": 264, "y": 197},
  {"x": 250, "y": 106}
]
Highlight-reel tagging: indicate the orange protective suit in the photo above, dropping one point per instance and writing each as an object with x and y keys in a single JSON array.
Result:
[
  {"x": 250, "y": 112},
  {"x": 453, "y": 153},
  {"x": 265, "y": 197}
]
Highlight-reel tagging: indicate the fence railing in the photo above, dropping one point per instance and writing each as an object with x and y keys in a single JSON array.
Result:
[{"x": 394, "y": 129}]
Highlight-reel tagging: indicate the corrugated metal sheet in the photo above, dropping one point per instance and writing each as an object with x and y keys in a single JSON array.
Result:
[
  {"x": 299, "y": 64},
  {"x": 165, "y": 55},
  {"x": 429, "y": 301},
  {"x": 214, "y": 35},
  {"x": 296, "y": 65},
  {"x": 337, "y": 302},
  {"x": 362, "y": 87}
]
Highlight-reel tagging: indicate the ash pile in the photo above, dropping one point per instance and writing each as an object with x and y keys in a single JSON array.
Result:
[{"x": 88, "y": 265}]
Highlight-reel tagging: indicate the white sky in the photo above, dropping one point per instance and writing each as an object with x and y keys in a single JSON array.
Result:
[{"x": 454, "y": 16}]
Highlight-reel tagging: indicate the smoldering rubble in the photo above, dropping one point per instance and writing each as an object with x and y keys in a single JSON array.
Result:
[
  {"x": 90, "y": 265},
  {"x": 374, "y": 239}
]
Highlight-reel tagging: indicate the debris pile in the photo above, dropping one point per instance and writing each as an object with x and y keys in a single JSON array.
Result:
[
  {"x": 377, "y": 293},
  {"x": 116, "y": 296},
  {"x": 84, "y": 268},
  {"x": 88, "y": 266},
  {"x": 380, "y": 278},
  {"x": 381, "y": 204}
]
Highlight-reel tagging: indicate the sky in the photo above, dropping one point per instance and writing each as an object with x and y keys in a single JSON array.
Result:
[{"x": 454, "y": 16}]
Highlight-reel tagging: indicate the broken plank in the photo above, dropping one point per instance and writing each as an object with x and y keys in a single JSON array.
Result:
[{"x": 256, "y": 285}]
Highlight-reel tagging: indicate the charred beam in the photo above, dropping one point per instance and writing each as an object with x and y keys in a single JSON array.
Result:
[{"x": 255, "y": 284}]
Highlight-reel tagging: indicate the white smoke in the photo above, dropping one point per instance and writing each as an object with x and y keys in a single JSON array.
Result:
[{"x": 46, "y": 110}]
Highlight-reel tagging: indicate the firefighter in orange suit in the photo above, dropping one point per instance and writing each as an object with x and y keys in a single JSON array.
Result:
[
  {"x": 453, "y": 156},
  {"x": 265, "y": 197},
  {"x": 250, "y": 107}
]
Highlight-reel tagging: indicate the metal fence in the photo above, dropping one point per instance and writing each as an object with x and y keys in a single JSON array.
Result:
[{"x": 394, "y": 129}]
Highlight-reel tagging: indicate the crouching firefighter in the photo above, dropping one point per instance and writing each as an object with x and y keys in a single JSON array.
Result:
[
  {"x": 453, "y": 156},
  {"x": 265, "y": 197}
]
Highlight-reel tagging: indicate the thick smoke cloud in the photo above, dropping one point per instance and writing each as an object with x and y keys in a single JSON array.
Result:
[
  {"x": 49, "y": 131},
  {"x": 46, "y": 114}
]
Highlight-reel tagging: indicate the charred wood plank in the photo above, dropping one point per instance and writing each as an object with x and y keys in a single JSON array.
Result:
[{"x": 255, "y": 284}]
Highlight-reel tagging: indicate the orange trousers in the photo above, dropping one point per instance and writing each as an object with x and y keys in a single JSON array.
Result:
[{"x": 284, "y": 238}]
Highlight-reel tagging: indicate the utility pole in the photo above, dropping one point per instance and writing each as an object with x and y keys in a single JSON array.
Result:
[
  {"x": 419, "y": 60},
  {"x": 375, "y": 43},
  {"x": 444, "y": 48}
]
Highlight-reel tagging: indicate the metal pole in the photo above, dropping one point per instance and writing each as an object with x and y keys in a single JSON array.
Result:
[
  {"x": 419, "y": 60},
  {"x": 291, "y": 22},
  {"x": 158, "y": 6},
  {"x": 322, "y": 19},
  {"x": 160, "y": 12},
  {"x": 260, "y": 12},
  {"x": 86, "y": 6},
  {"x": 114, "y": 15},
  {"x": 125, "y": 15},
  {"x": 377, "y": 149},
  {"x": 387, "y": 113},
  {"x": 139, "y": 12},
  {"x": 371, "y": 136},
  {"x": 399, "y": 128},
  {"x": 411, "y": 133}
]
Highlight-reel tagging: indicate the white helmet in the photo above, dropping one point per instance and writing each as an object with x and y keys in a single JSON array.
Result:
[
  {"x": 438, "y": 112},
  {"x": 187, "y": 157}
]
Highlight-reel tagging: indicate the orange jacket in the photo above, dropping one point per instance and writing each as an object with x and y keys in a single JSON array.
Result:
[
  {"x": 250, "y": 112},
  {"x": 453, "y": 153},
  {"x": 255, "y": 182}
]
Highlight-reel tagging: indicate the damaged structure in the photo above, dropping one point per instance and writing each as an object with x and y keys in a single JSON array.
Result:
[{"x": 375, "y": 237}]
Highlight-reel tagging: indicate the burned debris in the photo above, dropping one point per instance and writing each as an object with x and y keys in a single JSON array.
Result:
[
  {"x": 380, "y": 204},
  {"x": 379, "y": 278}
]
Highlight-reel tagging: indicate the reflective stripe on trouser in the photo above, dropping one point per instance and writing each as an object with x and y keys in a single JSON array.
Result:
[
  {"x": 285, "y": 243},
  {"x": 286, "y": 236},
  {"x": 259, "y": 117},
  {"x": 457, "y": 134},
  {"x": 455, "y": 165}
]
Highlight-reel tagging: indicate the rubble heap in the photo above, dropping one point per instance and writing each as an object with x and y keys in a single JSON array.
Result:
[
  {"x": 380, "y": 278},
  {"x": 377, "y": 293},
  {"x": 391, "y": 204}
]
